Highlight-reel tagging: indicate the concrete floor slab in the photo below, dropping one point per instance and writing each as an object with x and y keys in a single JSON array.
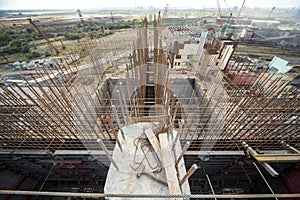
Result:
[{"x": 135, "y": 146}]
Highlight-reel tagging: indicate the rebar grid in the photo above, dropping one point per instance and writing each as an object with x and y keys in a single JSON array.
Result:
[{"x": 70, "y": 107}]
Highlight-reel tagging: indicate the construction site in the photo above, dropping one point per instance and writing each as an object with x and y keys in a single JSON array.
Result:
[{"x": 157, "y": 112}]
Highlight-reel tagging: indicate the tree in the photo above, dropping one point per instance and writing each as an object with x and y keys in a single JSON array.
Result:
[
  {"x": 72, "y": 36},
  {"x": 5, "y": 38},
  {"x": 47, "y": 54},
  {"x": 17, "y": 45},
  {"x": 29, "y": 30},
  {"x": 33, "y": 54}
]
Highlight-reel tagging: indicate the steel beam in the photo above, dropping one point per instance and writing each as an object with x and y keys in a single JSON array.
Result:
[
  {"x": 289, "y": 147},
  {"x": 276, "y": 158},
  {"x": 272, "y": 158},
  {"x": 101, "y": 152},
  {"x": 263, "y": 163}
]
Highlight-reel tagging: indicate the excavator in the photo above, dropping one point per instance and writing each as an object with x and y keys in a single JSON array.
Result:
[{"x": 226, "y": 25}]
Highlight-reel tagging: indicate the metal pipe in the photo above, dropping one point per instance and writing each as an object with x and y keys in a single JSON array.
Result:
[
  {"x": 111, "y": 125},
  {"x": 269, "y": 169},
  {"x": 179, "y": 132},
  {"x": 272, "y": 157},
  {"x": 186, "y": 146},
  {"x": 149, "y": 196},
  {"x": 118, "y": 120},
  {"x": 265, "y": 180},
  {"x": 107, "y": 153},
  {"x": 294, "y": 150},
  {"x": 265, "y": 165},
  {"x": 211, "y": 187}
]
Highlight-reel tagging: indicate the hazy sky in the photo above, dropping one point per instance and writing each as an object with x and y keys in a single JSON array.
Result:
[{"x": 87, "y": 4}]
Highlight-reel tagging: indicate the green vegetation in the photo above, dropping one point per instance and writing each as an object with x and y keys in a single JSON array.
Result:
[
  {"x": 33, "y": 55},
  {"x": 19, "y": 45},
  {"x": 25, "y": 42}
]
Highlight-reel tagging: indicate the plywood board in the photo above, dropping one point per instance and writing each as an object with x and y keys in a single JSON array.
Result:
[{"x": 169, "y": 164}]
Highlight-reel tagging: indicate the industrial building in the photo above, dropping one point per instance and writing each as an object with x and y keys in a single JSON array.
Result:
[{"x": 182, "y": 118}]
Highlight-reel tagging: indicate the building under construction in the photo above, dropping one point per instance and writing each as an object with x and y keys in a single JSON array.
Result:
[{"x": 159, "y": 113}]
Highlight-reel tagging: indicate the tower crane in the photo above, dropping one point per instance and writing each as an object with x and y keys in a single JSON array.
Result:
[
  {"x": 219, "y": 8},
  {"x": 166, "y": 11},
  {"x": 164, "y": 15}
]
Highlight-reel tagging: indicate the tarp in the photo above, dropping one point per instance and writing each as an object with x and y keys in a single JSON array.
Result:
[{"x": 279, "y": 65}]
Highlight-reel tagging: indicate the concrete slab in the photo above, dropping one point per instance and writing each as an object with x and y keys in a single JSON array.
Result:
[{"x": 125, "y": 181}]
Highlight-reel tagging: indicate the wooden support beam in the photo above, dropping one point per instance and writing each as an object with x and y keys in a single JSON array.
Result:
[
  {"x": 191, "y": 171},
  {"x": 168, "y": 162}
]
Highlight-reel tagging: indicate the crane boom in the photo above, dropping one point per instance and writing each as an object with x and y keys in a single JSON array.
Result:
[
  {"x": 219, "y": 8},
  {"x": 237, "y": 18},
  {"x": 56, "y": 49}
]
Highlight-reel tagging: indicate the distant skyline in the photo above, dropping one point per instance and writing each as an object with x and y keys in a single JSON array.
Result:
[{"x": 90, "y": 4}]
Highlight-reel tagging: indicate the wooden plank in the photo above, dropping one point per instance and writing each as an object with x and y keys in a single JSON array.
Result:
[
  {"x": 168, "y": 162},
  {"x": 153, "y": 140},
  {"x": 191, "y": 171}
]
